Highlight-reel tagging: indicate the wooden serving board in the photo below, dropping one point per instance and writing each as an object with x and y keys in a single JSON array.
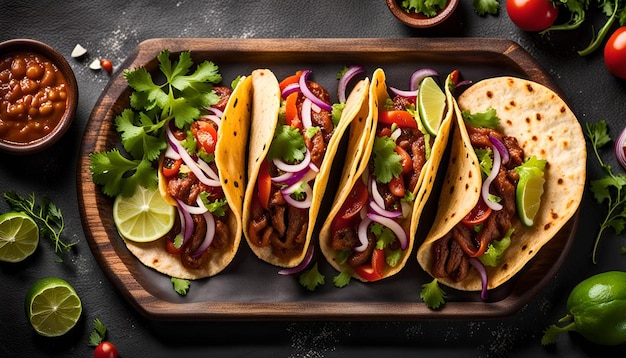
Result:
[{"x": 250, "y": 289}]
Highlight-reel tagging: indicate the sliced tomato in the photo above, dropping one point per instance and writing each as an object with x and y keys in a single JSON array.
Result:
[
  {"x": 384, "y": 132},
  {"x": 378, "y": 261},
  {"x": 406, "y": 161},
  {"x": 396, "y": 186},
  {"x": 264, "y": 185},
  {"x": 291, "y": 109},
  {"x": 355, "y": 201},
  {"x": 171, "y": 167},
  {"x": 169, "y": 245},
  {"x": 206, "y": 135},
  {"x": 289, "y": 80},
  {"x": 477, "y": 215},
  {"x": 367, "y": 272},
  {"x": 401, "y": 118}
]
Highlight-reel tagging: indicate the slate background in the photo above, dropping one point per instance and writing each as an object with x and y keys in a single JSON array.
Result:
[{"x": 111, "y": 29}]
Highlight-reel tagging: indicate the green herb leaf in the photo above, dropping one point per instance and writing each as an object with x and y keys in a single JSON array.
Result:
[
  {"x": 429, "y": 8},
  {"x": 311, "y": 278},
  {"x": 181, "y": 286},
  {"x": 387, "y": 163},
  {"x": 119, "y": 175},
  {"x": 97, "y": 335},
  {"x": 288, "y": 145},
  {"x": 342, "y": 279},
  {"x": 432, "y": 295},
  {"x": 486, "y": 119},
  {"x": 483, "y": 7},
  {"x": 496, "y": 249}
]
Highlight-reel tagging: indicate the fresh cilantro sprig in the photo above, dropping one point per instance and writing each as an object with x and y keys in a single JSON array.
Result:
[
  {"x": 484, "y": 7},
  {"x": 429, "y": 8},
  {"x": 312, "y": 278},
  {"x": 98, "y": 334},
  {"x": 610, "y": 189},
  {"x": 432, "y": 295},
  {"x": 180, "y": 98},
  {"x": 46, "y": 214},
  {"x": 486, "y": 119},
  {"x": 387, "y": 163},
  {"x": 181, "y": 286}
]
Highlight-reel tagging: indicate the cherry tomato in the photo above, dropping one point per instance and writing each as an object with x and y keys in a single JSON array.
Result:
[
  {"x": 170, "y": 168},
  {"x": 396, "y": 186},
  {"x": 532, "y": 15},
  {"x": 406, "y": 161},
  {"x": 355, "y": 201},
  {"x": 206, "y": 135},
  {"x": 106, "y": 65},
  {"x": 401, "y": 118},
  {"x": 477, "y": 215},
  {"x": 169, "y": 245},
  {"x": 615, "y": 53},
  {"x": 264, "y": 185},
  {"x": 367, "y": 272},
  {"x": 378, "y": 262},
  {"x": 105, "y": 350}
]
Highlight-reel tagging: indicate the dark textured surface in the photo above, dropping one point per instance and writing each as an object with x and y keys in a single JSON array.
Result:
[{"x": 112, "y": 29}]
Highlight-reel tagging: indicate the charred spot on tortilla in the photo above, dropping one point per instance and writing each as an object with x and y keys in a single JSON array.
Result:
[
  {"x": 524, "y": 247},
  {"x": 234, "y": 133},
  {"x": 560, "y": 181},
  {"x": 529, "y": 87},
  {"x": 236, "y": 184},
  {"x": 489, "y": 94},
  {"x": 534, "y": 138},
  {"x": 538, "y": 116},
  {"x": 235, "y": 103},
  {"x": 563, "y": 110}
]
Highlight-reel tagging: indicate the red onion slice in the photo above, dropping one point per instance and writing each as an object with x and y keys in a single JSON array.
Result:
[
  {"x": 300, "y": 204},
  {"x": 383, "y": 212},
  {"x": 347, "y": 76},
  {"x": 188, "y": 220},
  {"x": 487, "y": 183},
  {"x": 362, "y": 233},
  {"x": 393, "y": 226},
  {"x": 293, "y": 168},
  {"x": 375, "y": 194},
  {"x": 483, "y": 276},
  {"x": 504, "y": 152},
  {"x": 620, "y": 151},
  {"x": 306, "y": 113},
  {"x": 212, "y": 117},
  {"x": 208, "y": 238},
  {"x": 305, "y": 262},
  {"x": 403, "y": 93},
  {"x": 289, "y": 89},
  {"x": 193, "y": 166},
  {"x": 308, "y": 94},
  {"x": 419, "y": 75}
]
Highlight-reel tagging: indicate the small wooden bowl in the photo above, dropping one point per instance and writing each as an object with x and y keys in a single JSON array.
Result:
[
  {"x": 36, "y": 145},
  {"x": 420, "y": 21}
]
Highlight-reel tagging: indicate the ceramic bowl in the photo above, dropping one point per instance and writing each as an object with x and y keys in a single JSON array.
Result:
[{"x": 420, "y": 21}]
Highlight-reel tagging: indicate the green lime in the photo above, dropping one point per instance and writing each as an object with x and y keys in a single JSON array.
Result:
[
  {"x": 528, "y": 196},
  {"x": 19, "y": 236},
  {"x": 144, "y": 216},
  {"x": 431, "y": 104},
  {"x": 52, "y": 306}
]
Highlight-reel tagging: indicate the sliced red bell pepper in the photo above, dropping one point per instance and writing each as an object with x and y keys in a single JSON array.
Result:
[{"x": 401, "y": 118}]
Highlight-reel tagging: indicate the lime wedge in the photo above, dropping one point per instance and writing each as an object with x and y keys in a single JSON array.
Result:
[
  {"x": 431, "y": 104},
  {"x": 52, "y": 306},
  {"x": 528, "y": 196},
  {"x": 145, "y": 216},
  {"x": 19, "y": 236}
]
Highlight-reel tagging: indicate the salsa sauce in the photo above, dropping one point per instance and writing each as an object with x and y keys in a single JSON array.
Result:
[{"x": 33, "y": 97}]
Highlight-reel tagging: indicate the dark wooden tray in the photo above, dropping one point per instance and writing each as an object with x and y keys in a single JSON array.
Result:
[{"x": 250, "y": 289}]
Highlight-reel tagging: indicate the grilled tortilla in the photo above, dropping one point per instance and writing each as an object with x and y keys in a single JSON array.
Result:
[
  {"x": 545, "y": 127},
  {"x": 230, "y": 148}
]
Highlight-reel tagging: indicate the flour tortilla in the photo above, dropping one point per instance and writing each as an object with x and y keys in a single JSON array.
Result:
[
  {"x": 357, "y": 163},
  {"x": 265, "y": 108},
  {"x": 545, "y": 127},
  {"x": 229, "y": 153}
]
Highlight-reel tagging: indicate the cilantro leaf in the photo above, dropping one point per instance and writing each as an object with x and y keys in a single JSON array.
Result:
[
  {"x": 97, "y": 335},
  {"x": 342, "y": 279},
  {"x": 136, "y": 138},
  {"x": 492, "y": 255},
  {"x": 432, "y": 295},
  {"x": 383, "y": 234},
  {"x": 485, "y": 158},
  {"x": 429, "y": 8},
  {"x": 486, "y": 119},
  {"x": 392, "y": 257},
  {"x": 483, "y": 7},
  {"x": 216, "y": 207},
  {"x": 387, "y": 163},
  {"x": 119, "y": 175},
  {"x": 288, "y": 145},
  {"x": 311, "y": 278},
  {"x": 181, "y": 286}
]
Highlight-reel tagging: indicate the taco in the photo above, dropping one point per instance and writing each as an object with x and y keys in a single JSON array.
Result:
[
  {"x": 537, "y": 134},
  {"x": 369, "y": 231},
  {"x": 292, "y": 145},
  {"x": 201, "y": 173}
]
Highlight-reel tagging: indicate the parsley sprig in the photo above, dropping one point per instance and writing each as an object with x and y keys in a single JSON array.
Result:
[
  {"x": 46, "y": 214},
  {"x": 180, "y": 98},
  {"x": 610, "y": 189}
]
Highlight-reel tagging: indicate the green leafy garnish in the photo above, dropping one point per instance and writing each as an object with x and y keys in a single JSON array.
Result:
[
  {"x": 180, "y": 98},
  {"x": 335, "y": 113},
  {"x": 181, "y": 286},
  {"x": 429, "y": 8},
  {"x": 392, "y": 257},
  {"x": 97, "y": 335},
  {"x": 47, "y": 215},
  {"x": 387, "y": 163},
  {"x": 311, "y": 278},
  {"x": 342, "y": 279},
  {"x": 288, "y": 145},
  {"x": 486, "y": 119},
  {"x": 485, "y": 158},
  {"x": 496, "y": 249},
  {"x": 432, "y": 295},
  {"x": 483, "y": 7},
  {"x": 216, "y": 207},
  {"x": 610, "y": 188}
]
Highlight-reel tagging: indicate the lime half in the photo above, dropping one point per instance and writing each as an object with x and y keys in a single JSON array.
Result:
[
  {"x": 52, "y": 306},
  {"x": 19, "y": 236},
  {"x": 431, "y": 104},
  {"x": 528, "y": 196},
  {"x": 144, "y": 216}
]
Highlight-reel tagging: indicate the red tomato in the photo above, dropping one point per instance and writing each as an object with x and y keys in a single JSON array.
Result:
[
  {"x": 169, "y": 245},
  {"x": 396, "y": 187},
  {"x": 105, "y": 350},
  {"x": 170, "y": 168},
  {"x": 291, "y": 110},
  {"x": 378, "y": 262},
  {"x": 355, "y": 201},
  {"x": 407, "y": 161},
  {"x": 264, "y": 185},
  {"x": 367, "y": 272},
  {"x": 532, "y": 15},
  {"x": 206, "y": 135},
  {"x": 477, "y": 215},
  {"x": 401, "y": 118},
  {"x": 106, "y": 65},
  {"x": 615, "y": 53}
]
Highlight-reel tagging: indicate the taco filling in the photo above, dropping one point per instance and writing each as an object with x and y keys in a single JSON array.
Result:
[{"x": 282, "y": 198}]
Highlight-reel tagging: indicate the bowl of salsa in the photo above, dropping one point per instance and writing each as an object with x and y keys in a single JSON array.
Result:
[{"x": 38, "y": 96}]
